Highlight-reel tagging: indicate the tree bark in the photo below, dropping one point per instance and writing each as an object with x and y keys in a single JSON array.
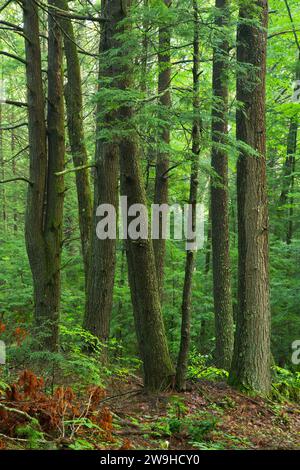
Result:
[
  {"x": 182, "y": 361},
  {"x": 158, "y": 369},
  {"x": 74, "y": 108},
  {"x": 163, "y": 157},
  {"x": 219, "y": 193},
  {"x": 103, "y": 252},
  {"x": 2, "y": 177},
  {"x": 43, "y": 225},
  {"x": 251, "y": 360}
]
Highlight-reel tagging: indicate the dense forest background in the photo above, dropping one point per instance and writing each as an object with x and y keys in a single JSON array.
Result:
[{"x": 156, "y": 91}]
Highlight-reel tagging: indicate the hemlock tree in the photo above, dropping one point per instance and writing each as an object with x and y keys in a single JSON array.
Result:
[
  {"x": 152, "y": 341},
  {"x": 219, "y": 191},
  {"x": 182, "y": 361},
  {"x": 251, "y": 360},
  {"x": 44, "y": 213},
  {"x": 74, "y": 108},
  {"x": 162, "y": 163},
  {"x": 103, "y": 252}
]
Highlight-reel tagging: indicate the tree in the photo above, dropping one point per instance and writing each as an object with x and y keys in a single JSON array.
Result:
[
  {"x": 74, "y": 107},
  {"x": 103, "y": 252},
  {"x": 44, "y": 212},
  {"x": 182, "y": 361},
  {"x": 162, "y": 164},
  {"x": 158, "y": 369},
  {"x": 251, "y": 359},
  {"x": 219, "y": 192}
]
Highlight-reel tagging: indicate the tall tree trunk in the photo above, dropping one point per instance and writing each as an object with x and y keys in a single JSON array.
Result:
[
  {"x": 219, "y": 193},
  {"x": 14, "y": 172},
  {"x": 2, "y": 176},
  {"x": 182, "y": 362},
  {"x": 251, "y": 360},
  {"x": 289, "y": 168},
  {"x": 158, "y": 369},
  {"x": 103, "y": 252},
  {"x": 74, "y": 107},
  {"x": 44, "y": 214},
  {"x": 162, "y": 165}
]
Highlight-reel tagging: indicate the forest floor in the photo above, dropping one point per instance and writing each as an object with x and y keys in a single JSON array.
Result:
[{"x": 210, "y": 416}]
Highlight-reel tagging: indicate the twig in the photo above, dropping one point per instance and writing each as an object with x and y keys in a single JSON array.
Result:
[{"x": 5, "y": 5}]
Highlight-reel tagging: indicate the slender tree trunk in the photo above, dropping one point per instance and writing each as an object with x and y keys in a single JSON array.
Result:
[
  {"x": 219, "y": 193},
  {"x": 182, "y": 361},
  {"x": 14, "y": 172},
  {"x": 103, "y": 252},
  {"x": 2, "y": 176},
  {"x": 152, "y": 341},
  {"x": 162, "y": 165},
  {"x": 289, "y": 169},
  {"x": 44, "y": 214},
  {"x": 251, "y": 360},
  {"x": 74, "y": 107}
]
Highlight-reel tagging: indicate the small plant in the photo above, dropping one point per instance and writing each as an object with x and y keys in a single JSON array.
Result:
[{"x": 286, "y": 384}]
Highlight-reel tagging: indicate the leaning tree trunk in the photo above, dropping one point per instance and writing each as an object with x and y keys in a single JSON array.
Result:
[
  {"x": 219, "y": 193},
  {"x": 182, "y": 362},
  {"x": 158, "y": 369},
  {"x": 103, "y": 252},
  {"x": 251, "y": 360},
  {"x": 43, "y": 225},
  {"x": 162, "y": 164},
  {"x": 74, "y": 107}
]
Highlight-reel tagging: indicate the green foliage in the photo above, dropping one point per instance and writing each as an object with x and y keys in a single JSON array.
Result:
[
  {"x": 32, "y": 433},
  {"x": 285, "y": 385},
  {"x": 198, "y": 368},
  {"x": 81, "y": 444}
]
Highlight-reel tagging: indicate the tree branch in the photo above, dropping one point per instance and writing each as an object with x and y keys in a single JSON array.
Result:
[
  {"x": 14, "y": 126},
  {"x": 13, "y": 56},
  {"x": 5, "y": 5},
  {"x": 20, "y": 104},
  {"x": 78, "y": 168},
  {"x": 20, "y": 178}
]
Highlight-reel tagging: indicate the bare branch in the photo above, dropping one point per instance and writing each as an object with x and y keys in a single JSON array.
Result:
[
  {"x": 11, "y": 25},
  {"x": 5, "y": 5},
  {"x": 78, "y": 168},
  {"x": 20, "y": 178},
  {"x": 14, "y": 126},
  {"x": 19, "y": 104},
  {"x": 13, "y": 56}
]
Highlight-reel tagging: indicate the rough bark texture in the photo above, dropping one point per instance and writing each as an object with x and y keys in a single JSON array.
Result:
[
  {"x": 74, "y": 107},
  {"x": 162, "y": 165},
  {"x": 251, "y": 360},
  {"x": 43, "y": 227},
  {"x": 219, "y": 194},
  {"x": 103, "y": 252},
  {"x": 182, "y": 362},
  {"x": 158, "y": 369}
]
